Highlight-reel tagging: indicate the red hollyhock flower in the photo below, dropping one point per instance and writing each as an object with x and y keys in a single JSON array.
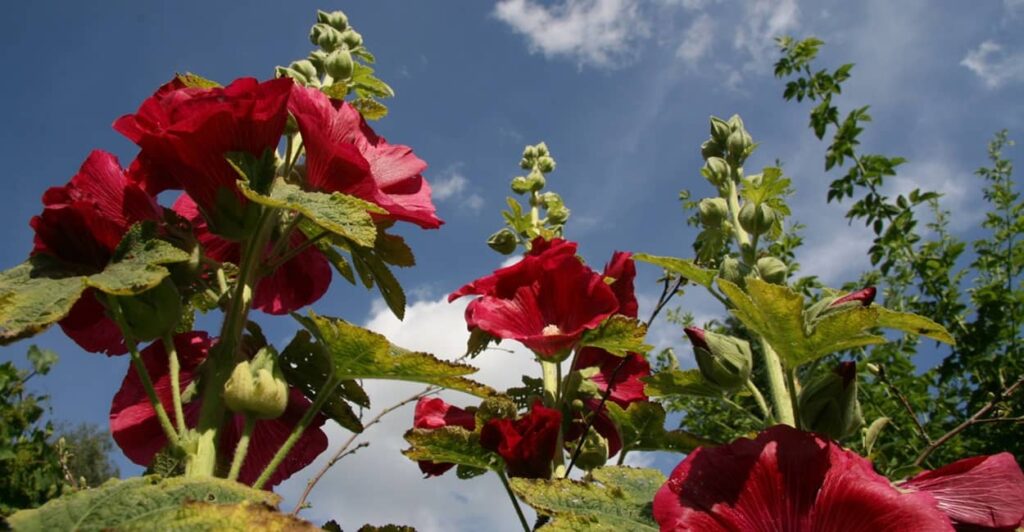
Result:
[
  {"x": 82, "y": 223},
  {"x": 547, "y": 301},
  {"x": 434, "y": 413},
  {"x": 299, "y": 282},
  {"x": 185, "y": 132},
  {"x": 865, "y": 296},
  {"x": 623, "y": 270},
  {"x": 343, "y": 154},
  {"x": 136, "y": 430},
  {"x": 787, "y": 479},
  {"x": 978, "y": 493},
  {"x": 528, "y": 444}
]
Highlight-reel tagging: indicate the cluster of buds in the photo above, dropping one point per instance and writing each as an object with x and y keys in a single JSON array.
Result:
[
  {"x": 538, "y": 162},
  {"x": 333, "y": 61},
  {"x": 727, "y": 149},
  {"x": 724, "y": 361}
]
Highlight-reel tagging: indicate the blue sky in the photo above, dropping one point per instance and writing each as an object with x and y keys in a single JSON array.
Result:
[{"x": 620, "y": 90}]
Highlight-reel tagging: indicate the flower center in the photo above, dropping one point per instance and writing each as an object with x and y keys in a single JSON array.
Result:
[{"x": 551, "y": 330}]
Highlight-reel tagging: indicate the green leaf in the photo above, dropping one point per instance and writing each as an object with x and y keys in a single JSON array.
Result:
[
  {"x": 642, "y": 428},
  {"x": 451, "y": 445},
  {"x": 195, "y": 81},
  {"x": 619, "y": 335},
  {"x": 370, "y": 266},
  {"x": 684, "y": 267},
  {"x": 357, "y": 353},
  {"x": 41, "y": 359},
  {"x": 341, "y": 214},
  {"x": 393, "y": 250},
  {"x": 241, "y": 517},
  {"x": 307, "y": 368},
  {"x": 364, "y": 81},
  {"x": 913, "y": 324},
  {"x": 138, "y": 263},
  {"x": 135, "y": 503},
  {"x": 336, "y": 91},
  {"x": 678, "y": 382},
  {"x": 620, "y": 499},
  {"x": 776, "y": 313},
  {"x": 478, "y": 342},
  {"x": 370, "y": 109}
]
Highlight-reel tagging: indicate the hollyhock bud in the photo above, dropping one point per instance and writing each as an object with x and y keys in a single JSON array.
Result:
[
  {"x": 326, "y": 37},
  {"x": 711, "y": 149},
  {"x": 724, "y": 361},
  {"x": 735, "y": 123},
  {"x": 734, "y": 271},
  {"x": 756, "y": 218},
  {"x": 558, "y": 215},
  {"x": 716, "y": 170},
  {"x": 257, "y": 387},
  {"x": 153, "y": 313},
  {"x": 593, "y": 451},
  {"x": 713, "y": 211},
  {"x": 352, "y": 38},
  {"x": 536, "y": 180},
  {"x": 334, "y": 19},
  {"x": 339, "y": 64},
  {"x": 551, "y": 200},
  {"x": 720, "y": 129},
  {"x": 530, "y": 152},
  {"x": 863, "y": 297},
  {"x": 520, "y": 185},
  {"x": 829, "y": 406},
  {"x": 772, "y": 270},
  {"x": 546, "y": 164},
  {"x": 739, "y": 144},
  {"x": 504, "y": 241}
]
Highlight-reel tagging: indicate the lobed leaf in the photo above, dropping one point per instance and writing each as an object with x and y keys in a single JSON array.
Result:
[
  {"x": 642, "y": 428},
  {"x": 618, "y": 335},
  {"x": 686, "y": 268},
  {"x": 451, "y": 445},
  {"x": 678, "y": 382},
  {"x": 913, "y": 324}
]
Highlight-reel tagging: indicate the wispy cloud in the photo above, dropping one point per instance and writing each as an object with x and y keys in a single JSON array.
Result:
[
  {"x": 592, "y": 32},
  {"x": 995, "y": 65},
  {"x": 697, "y": 40},
  {"x": 452, "y": 186}
]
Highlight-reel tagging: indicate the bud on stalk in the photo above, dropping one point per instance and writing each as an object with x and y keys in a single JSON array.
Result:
[
  {"x": 772, "y": 270},
  {"x": 504, "y": 241},
  {"x": 257, "y": 387},
  {"x": 713, "y": 211},
  {"x": 724, "y": 361},
  {"x": 829, "y": 406},
  {"x": 756, "y": 218}
]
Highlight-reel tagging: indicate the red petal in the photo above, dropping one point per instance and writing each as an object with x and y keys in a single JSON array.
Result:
[
  {"x": 505, "y": 281},
  {"x": 622, "y": 268},
  {"x": 88, "y": 325},
  {"x": 628, "y": 388},
  {"x": 434, "y": 413},
  {"x": 984, "y": 491},
  {"x": 527, "y": 444}
]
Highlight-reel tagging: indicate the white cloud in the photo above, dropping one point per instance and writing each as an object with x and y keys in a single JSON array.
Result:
[
  {"x": 697, "y": 42},
  {"x": 378, "y": 485},
  {"x": 763, "y": 20},
  {"x": 475, "y": 202},
  {"x": 449, "y": 186},
  {"x": 593, "y": 32},
  {"x": 995, "y": 65}
]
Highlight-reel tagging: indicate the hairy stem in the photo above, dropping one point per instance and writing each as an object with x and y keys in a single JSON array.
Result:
[
  {"x": 759, "y": 398},
  {"x": 242, "y": 448},
  {"x": 515, "y": 501},
  {"x": 782, "y": 401},
  {"x": 175, "y": 367},
  {"x": 551, "y": 371}
]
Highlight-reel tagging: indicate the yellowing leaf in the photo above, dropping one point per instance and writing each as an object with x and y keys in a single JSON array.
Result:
[
  {"x": 684, "y": 267},
  {"x": 452, "y": 445},
  {"x": 618, "y": 335}
]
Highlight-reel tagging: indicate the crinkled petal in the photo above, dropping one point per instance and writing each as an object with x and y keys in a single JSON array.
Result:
[
  {"x": 982, "y": 491},
  {"x": 434, "y": 413},
  {"x": 627, "y": 386},
  {"x": 622, "y": 268},
  {"x": 527, "y": 444},
  {"x": 89, "y": 326}
]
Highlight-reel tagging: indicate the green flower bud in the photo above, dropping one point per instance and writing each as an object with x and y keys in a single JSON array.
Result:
[
  {"x": 720, "y": 130},
  {"x": 352, "y": 38},
  {"x": 334, "y": 19},
  {"x": 504, "y": 241},
  {"x": 317, "y": 59},
  {"x": 526, "y": 163},
  {"x": 326, "y": 37},
  {"x": 304, "y": 67},
  {"x": 734, "y": 271},
  {"x": 576, "y": 405},
  {"x": 593, "y": 451},
  {"x": 756, "y": 218},
  {"x": 339, "y": 64},
  {"x": 530, "y": 152},
  {"x": 710, "y": 149},
  {"x": 153, "y": 313},
  {"x": 716, "y": 170},
  {"x": 551, "y": 200},
  {"x": 558, "y": 215},
  {"x": 536, "y": 180},
  {"x": 257, "y": 387},
  {"x": 828, "y": 405},
  {"x": 772, "y": 270},
  {"x": 736, "y": 123},
  {"x": 739, "y": 143},
  {"x": 545, "y": 164},
  {"x": 520, "y": 185},
  {"x": 542, "y": 149},
  {"x": 724, "y": 361},
  {"x": 713, "y": 211}
]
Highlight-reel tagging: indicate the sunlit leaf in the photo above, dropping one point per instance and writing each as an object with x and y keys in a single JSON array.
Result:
[
  {"x": 618, "y": 335},
  {"x": 642, "y": 428},
  {"x": 451, "y": 445},
  {"x": 684, "y": 267}
]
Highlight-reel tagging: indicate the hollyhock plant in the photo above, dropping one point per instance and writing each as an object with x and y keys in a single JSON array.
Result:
[
  {"x": 185, "y": 133},
  {"x": 81, "y": 224},
  {"x": 546, "y": 304},
  {"x": 786, "y": 479},
  {"x": 978, "y": 493},
  {"x": 433, "y": 413},
  {"x": 864, "y": 296},
  {"x": 527, "y": 444},
  {"x": 136, "y": 430}
]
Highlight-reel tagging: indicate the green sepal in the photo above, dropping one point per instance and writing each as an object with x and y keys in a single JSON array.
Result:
[
  {"x": 618, "y": 335},
  {"x": 258, "y": 172}
]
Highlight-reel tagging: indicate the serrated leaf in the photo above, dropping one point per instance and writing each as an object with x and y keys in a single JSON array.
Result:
[
  {"x": 370, "y": 109},
  {"x": 913, "y": 324},
  {"x": 393, "y": 250},
  {"x": 341, "y": 214},
  {"x": 478, "y": 342},
  {"x": 620, "y": 499},
  {"x": 368, "y": 263},
  {"x": 776, "y": 313},
  {"x": 135, "y": 503},
  {"x": 366, "y": 83},
  {"x": 678, "y": 382},
  {"x": 307, "y": 368},
  {"x": 386, "y": 528},
  {"x": 618, "y": 335},
  {"x": 138, "y": 263},
  {"x": 242, "y": 517},
  {"x": 357, "y": 353},
  {"x": 642, "y": 428},
  {"x": 684, "y": 267},
  {"x": 195, "y": 81},
  {"x": 450, "y": 445},
  {"x": 337, "y": 90}
]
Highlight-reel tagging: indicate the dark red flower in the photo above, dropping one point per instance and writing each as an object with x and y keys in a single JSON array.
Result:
[
  {"x": 135, "y": 428},
  {"x": 547, "y": 301},
  {"x": 528, "y": 444},
  {"x": 602, "y": 423},
  {"x": 434, "y": 413},
  {"x": 626, "y": 385},
  {"x": 299, "y": 282},
  {"x": 978, "y": 493},
  {"x": 865, "y": 296},
  {"x": 82, "y": 223},
  {"x": 343, "y": 154},
  {"x": 787, "y": 479},
  {"x": 622, "y": 268},
  {"x": 185, "y": 133}
]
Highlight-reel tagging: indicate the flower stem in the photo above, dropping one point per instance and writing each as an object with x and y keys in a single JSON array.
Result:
[
  {"x": 551, "y": 371},
  {"x": 781, "y": 399},
  {"x": 175, "y": 367},
  {"x": 242, "y": 448},
  {"x": 759, "y": 398},
  {"x": 321, "y": 397},
  {"x": 225, "y": 353},
  {"x": 140, "y": 368},
  {"x": 515, "y": 501}
]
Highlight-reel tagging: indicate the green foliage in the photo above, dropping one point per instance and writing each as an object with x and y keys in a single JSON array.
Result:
[
  {"x": 452, "y": 445},
  {"x": 138, "y": 502},
  {"x": 86, "y": 449},
  {"x": 642, "y": 428},
  {"x": 619, "y": 499},
  {"x": 671, "y": 382},
  {"x": 618, "y": 335},
  {"x": 683, "y": 267}
]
